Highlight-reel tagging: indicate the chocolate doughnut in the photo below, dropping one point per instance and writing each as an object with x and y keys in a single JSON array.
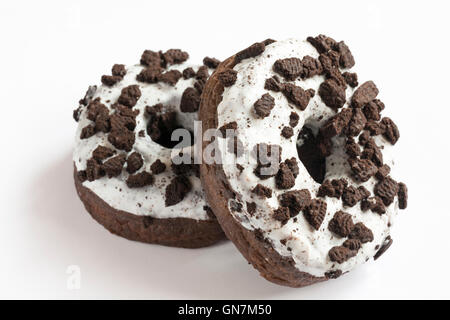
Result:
[
  {"x": 124, "y": 167},
  {"x": 305, "y": 191}
]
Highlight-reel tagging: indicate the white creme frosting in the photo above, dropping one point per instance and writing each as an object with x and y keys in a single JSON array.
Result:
[
  {"x": 309, "y": 248},
  {"x": 149, "y": 200}
]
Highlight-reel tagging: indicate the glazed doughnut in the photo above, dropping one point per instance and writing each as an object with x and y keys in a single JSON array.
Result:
[
  {"x": 326, "y": 200},
  {"x": 123, "y": 168}
]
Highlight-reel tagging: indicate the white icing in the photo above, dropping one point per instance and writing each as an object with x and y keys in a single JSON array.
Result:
[
  {"x": 148, "y": 200},
  {"x": 309, "y": 247}
]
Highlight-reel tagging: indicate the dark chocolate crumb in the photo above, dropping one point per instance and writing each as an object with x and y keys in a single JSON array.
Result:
[
  {"x": 170, "y": 77},
  {"x": 152, "y": 58},
  {"x": 351, "y": 195},
  {"x": 289, "y": 68},
  {"x": 296, "y": 95},
  {"x": 362, "y": 169},
  {"x": 175, "y": 56},
  {"x": 336, "y": 125},
  {"x": 149, "y": 75},
  {"x": 251, "y": 208},
  {"x": 311, "y": 67},
  {"x": 228, "y": 126},
  {"x": 94, "y": 170},
  {"x": 186, "y": 169},
  {"x": 269, "y": 41},
  {"x": 227, "y": 77},
  {"x": 375, "y": 128},
  {"x": 293, "y": 166},
  {"x": 361, "y": 232},
  {"x": 332, "y": 94},
  {"x": 383, "y": 172},
  {"x": 364, "y": 94},
  {"x": 262, "y": 191},
  {"x": 113, "y": 166},
  {"x": 190, "y": 100},
  {"x": 122, "y": 123},
  {"x": 130, "y": 95},
  {"x": 284, "y": 178},
  {"x": 373, "y": 153},
  {"x": 364, "y": 138},
  {"x": 101, "y": 153},
  {"x": 110, "y": 80},
  {"x": 264, "y": 105},
  {"x": 311, "y": 92},
  {"x": 391, "y": 132},
  {"x": 81, "y": 175},
  {"x": 341, "y": 254},
  {"x": 87, "y": 132},
  {"x": 273, "y": 84},
  {"x": 76, "y": 114},
  {"x": 287, "y": 132},
  {"x": 134, "y": 162},
  {"x": 375, "y": 204},
  {"x": 235, "y": 206},
  {"x": 202, "y": 73},
  {"x": 322, "y": 43},
  {"x": 199, "y": 85},
  {"x": 332, "y": 188},
  {"x": 158, "y": 167},
  {"x": 87, "y": 96},
  {"x": 341, "y": 224},
  {"x": 177, "y": 190},
  {"x": 211, "y": 62},
  {"x": 122, "y": 139},
  {"x": 119, "y": 70},
  {"x": 334, "y": 274},
  {"x": 352, "y": 149},
  {"x": 188, "y": 73},
  {"x": 140, "y": 180},
  {"x": 387, "y": 189},
  {"x": 356, "y": 124},
  {"x": 293, "y": 119},
  {"x": 402, "y": 195},
  {"x": 372, "y": 110},
  {"x": 124, "y": 110},
  {"x": 352, "y": 244},
  {"x": 346, "y": 59},
  {"x": 281, "y": 214},
  {"x": 351, "y": 79},
  {"x": 295, "y": 200},
  {"x": 148, "y": 221},
  {"x": 315, "y": 213},
  {"x": 254, "y": 50}
]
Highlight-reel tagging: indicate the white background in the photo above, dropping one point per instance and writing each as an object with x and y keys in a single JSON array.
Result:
[{"x": 51, "y": 51}]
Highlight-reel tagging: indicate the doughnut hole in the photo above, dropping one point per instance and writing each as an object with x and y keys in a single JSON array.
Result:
[
  {"x": 310, "y": 155},
  {"x": 161, "y": 126}
]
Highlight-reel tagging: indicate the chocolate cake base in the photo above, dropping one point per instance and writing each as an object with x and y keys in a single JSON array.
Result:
[{"x": 174, "y": 232}]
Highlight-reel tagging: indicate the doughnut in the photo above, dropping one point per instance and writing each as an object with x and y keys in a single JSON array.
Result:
[
  {"x": 301, "y": 177},
  {"x": 124, "y": 167}
]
